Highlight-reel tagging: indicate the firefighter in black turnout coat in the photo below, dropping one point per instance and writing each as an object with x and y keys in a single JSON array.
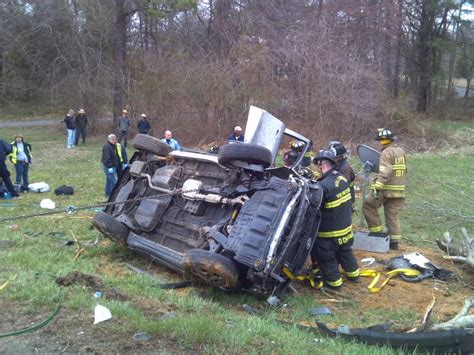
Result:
[{"x": 334, "y": 239}]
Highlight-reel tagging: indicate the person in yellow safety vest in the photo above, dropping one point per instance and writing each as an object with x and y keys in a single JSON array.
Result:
[
  {"x": 114, "y": 160},
  {"x": 388, "y": 189},
  {"x": 334, "y": 239},
  {"x": 21, "y": 158}
]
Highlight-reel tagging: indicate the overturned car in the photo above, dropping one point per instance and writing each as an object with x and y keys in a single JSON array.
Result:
[{"x": 231, "y": 220}]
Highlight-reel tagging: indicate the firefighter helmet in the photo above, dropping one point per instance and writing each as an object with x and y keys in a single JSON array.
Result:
[
  {"x": 297, "y": 146},
  {"x": 325, "y": 155},
  {"x": 385, "y": 133},
  {"x": 290, "y": 157},
  {"x": 337, "y": 148}
]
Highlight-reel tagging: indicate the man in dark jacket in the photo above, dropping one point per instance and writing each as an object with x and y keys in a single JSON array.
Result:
[
  {"x": 144, "y": 125},
  {"x": 21, "y": 158},
  {"x": 81, "y": 126},
  {"x": 236, "y": 136},
  {"x": 5, "y": 150},
  {"x": 114, "y": 160},
  {"x": 123, "y": 125},
  {"x": 334, "y": 240}
]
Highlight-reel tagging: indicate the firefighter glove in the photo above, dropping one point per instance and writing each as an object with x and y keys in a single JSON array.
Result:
[
  {"x": 375, "y": 191},
  {"x": 111, "y": 170}
]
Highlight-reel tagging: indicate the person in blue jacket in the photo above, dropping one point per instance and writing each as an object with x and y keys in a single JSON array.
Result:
[{"x": 173, "y": 143}]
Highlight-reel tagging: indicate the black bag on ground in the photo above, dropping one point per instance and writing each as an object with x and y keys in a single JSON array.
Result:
[{"x": 64, "y": 190}]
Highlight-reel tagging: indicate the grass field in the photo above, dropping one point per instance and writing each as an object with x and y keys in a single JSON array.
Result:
[{"x": 198, "y": 319}]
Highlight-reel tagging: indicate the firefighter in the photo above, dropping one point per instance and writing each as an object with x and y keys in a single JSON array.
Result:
[
  {"x": 342, "y": 165},
  {"x": 334, "y": 240},
  {"x": 289, "y": 158},
  {"x": 298, "y": 146},
  {"x": 388, "y": 189},
  {"x": 304, "y": 167}
]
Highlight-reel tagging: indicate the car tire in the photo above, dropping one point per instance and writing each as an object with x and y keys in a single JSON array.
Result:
[
  {"x": 214, "y": 269},
  {"x": 249, "y": 153},
  {"x": 111, "y": 228},
  {"x": 151, "y": 144}
]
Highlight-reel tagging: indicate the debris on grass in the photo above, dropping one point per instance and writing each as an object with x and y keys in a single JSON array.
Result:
[
  {"x": 141, "y": 336},
  {"x": 320, "y": 311},
  {"x": 48, "y": 204},
  {"x": 250, "y": 309},
  {"x": 169, "y": 315},
  {"x": 101, "y": 314}
]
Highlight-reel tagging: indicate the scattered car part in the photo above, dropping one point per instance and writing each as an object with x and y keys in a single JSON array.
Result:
[
  {"x": 320, "y": 311},
  {"x": 450, "y": 341},
  {"x": 273, "y": 301},
  {"x": 367, "y": 261},
  {"x": 369, "y": 157},
  {"x": 362, "y": 241},
  {"x": 419, "y": 262},
  {"x": 141, "y": 336},
  {"x": 165, "y": 286}
]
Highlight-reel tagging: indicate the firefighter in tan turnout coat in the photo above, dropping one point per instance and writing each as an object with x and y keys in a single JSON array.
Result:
[{"x": 388, "y": 189}]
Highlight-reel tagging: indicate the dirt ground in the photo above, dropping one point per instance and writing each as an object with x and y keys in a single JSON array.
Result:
[
  {"x": 417, "y": 296},
  {"x": 73, "y": 332}
]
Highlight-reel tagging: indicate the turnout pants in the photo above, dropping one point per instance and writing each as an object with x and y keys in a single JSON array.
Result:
[
  {"x": 392, "y": 208},
  {"x": 5, "y": 175},
  {"x": 329, "y": 253}
]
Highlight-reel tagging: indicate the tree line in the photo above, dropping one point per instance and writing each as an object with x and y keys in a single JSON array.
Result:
[{"x": 328, "y": 66}]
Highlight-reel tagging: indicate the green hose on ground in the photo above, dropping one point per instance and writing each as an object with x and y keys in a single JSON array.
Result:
[{"x": 36, "y": 326}]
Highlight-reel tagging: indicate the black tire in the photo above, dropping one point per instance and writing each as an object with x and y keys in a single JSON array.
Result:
[
  {"x": 249, "y": 153},
  {"x": 111, "y": 228},
  {"x": 214, "y": 269},
  {"x": 151, "y": 144}
]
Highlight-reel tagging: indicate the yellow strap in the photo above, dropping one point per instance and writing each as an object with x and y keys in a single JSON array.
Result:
[
  {"x": 5, "y": 284},
  {"x": 311, "y": 280},
  {"x": 376, "y": 275}
]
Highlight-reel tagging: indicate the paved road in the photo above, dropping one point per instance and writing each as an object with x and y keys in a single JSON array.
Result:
[
  {"x": 13, "y": 124},
  {"x": 33, "y": 123}
]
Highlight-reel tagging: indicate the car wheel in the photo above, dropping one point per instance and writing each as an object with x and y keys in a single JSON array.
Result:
[
  {"x": 212, "y": 268},
  {"x": 151, "y": 144},
  {"x": 249, "y": 153},
  {"x": 111, "y": 228}
]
